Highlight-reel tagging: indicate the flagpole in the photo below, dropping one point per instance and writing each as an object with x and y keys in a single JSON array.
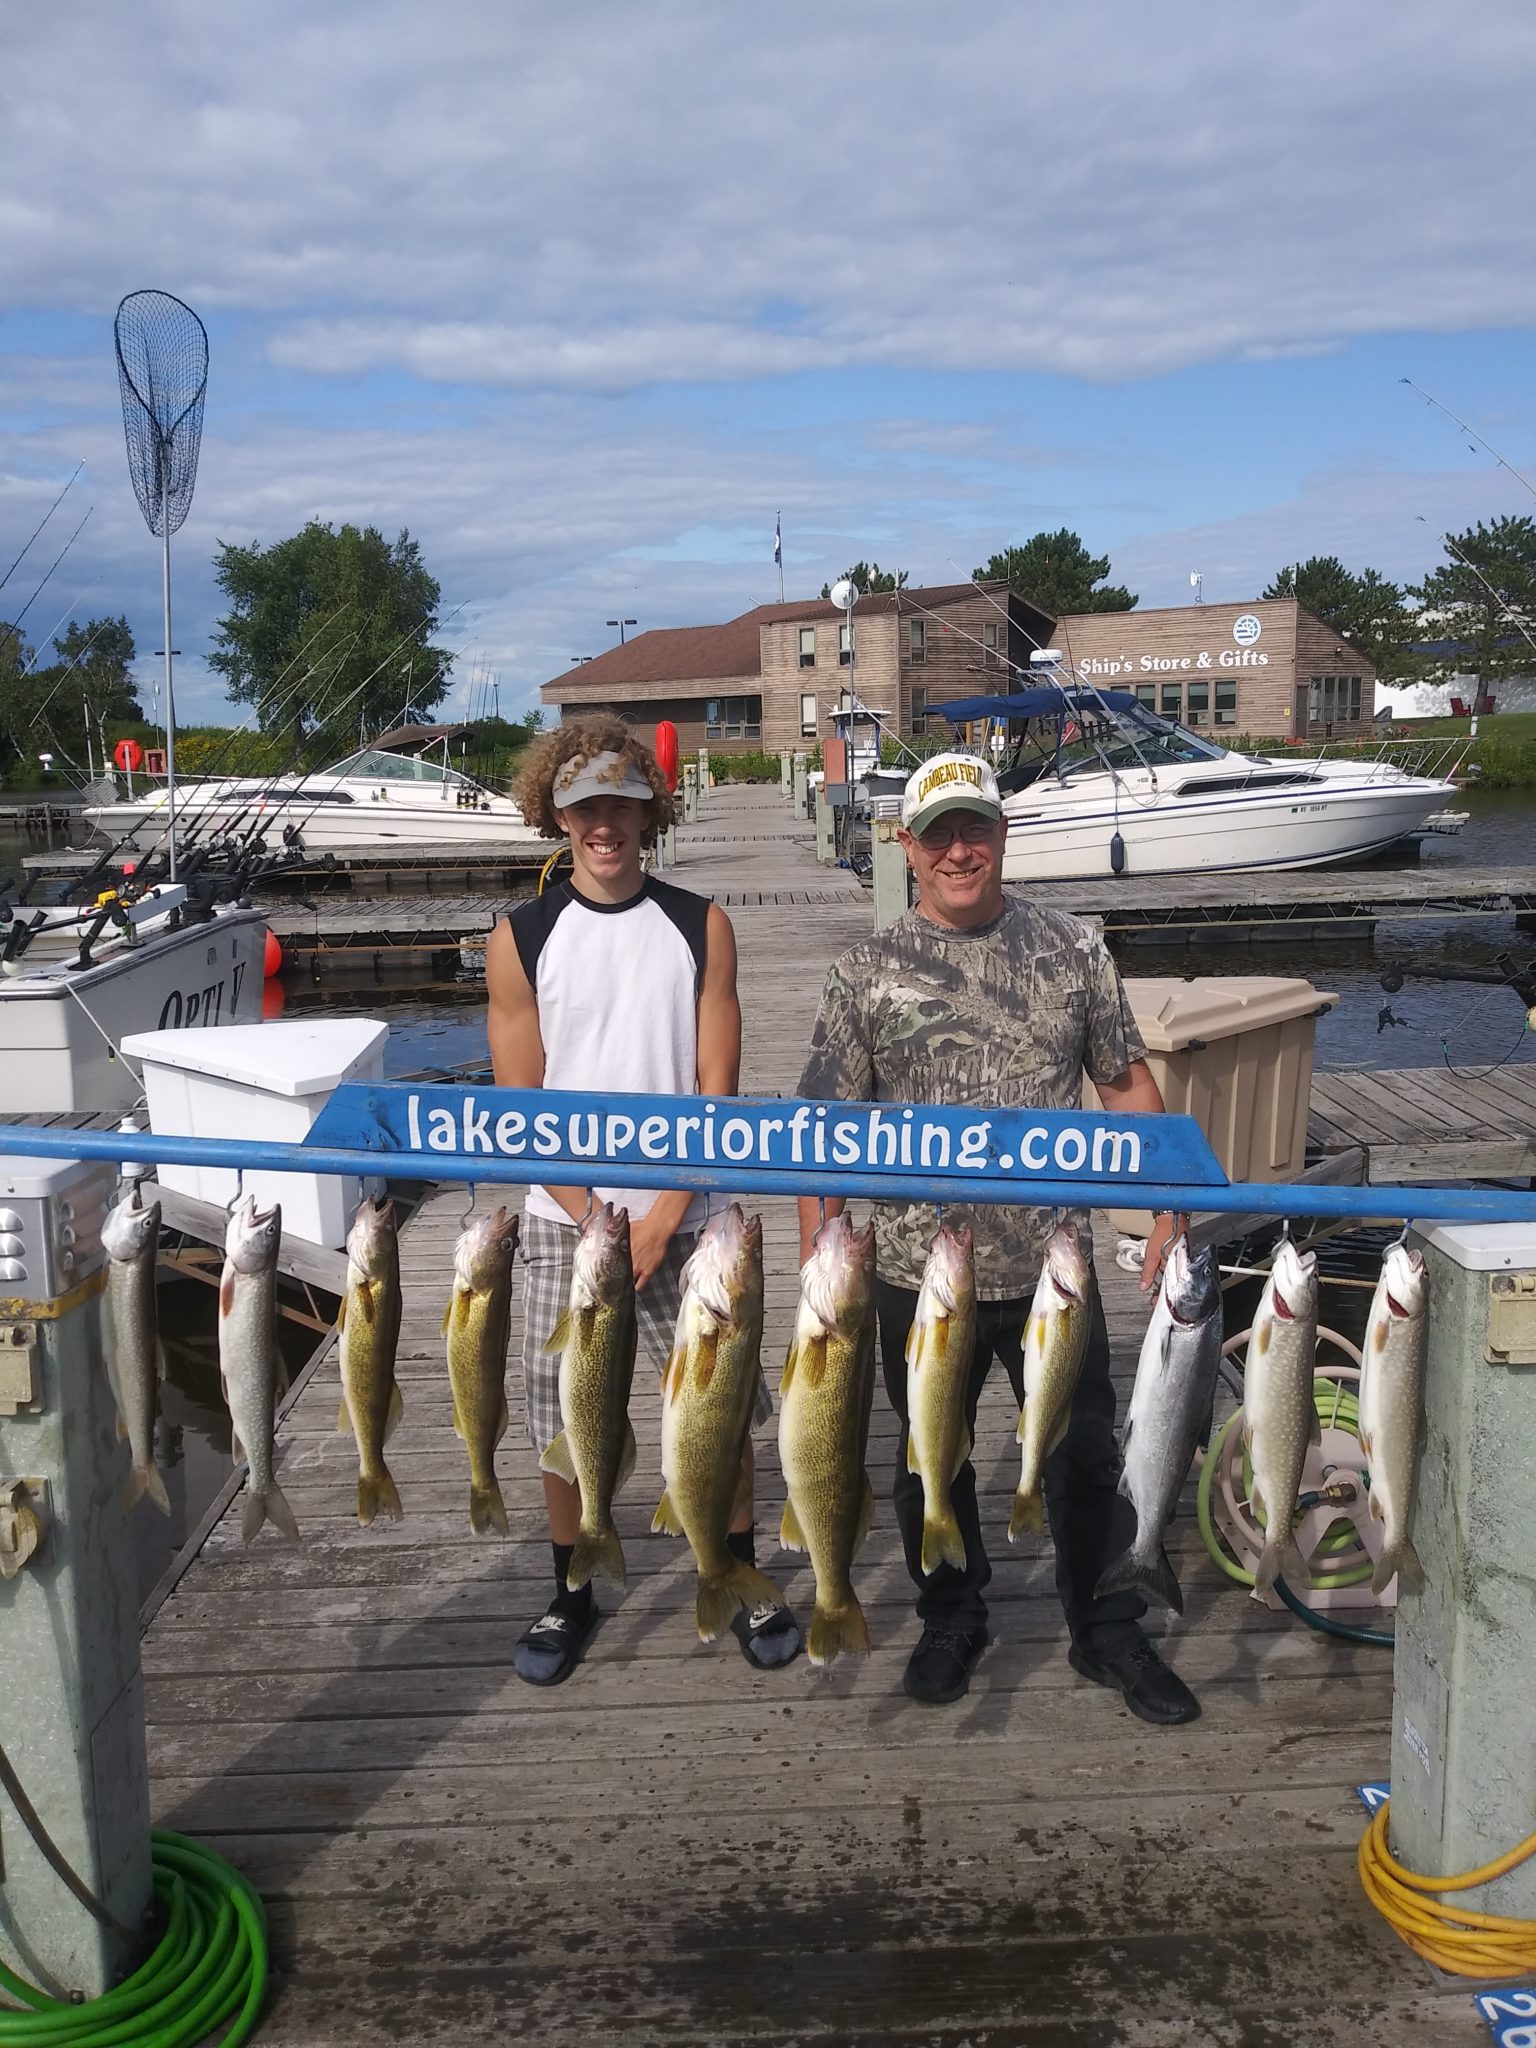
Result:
[{"x": 778, "y": 550}]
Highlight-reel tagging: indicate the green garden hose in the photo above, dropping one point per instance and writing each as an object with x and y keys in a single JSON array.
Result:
[
  {"x": 1337, "y": 1405},
  {"x": 208, "y": 1968}
]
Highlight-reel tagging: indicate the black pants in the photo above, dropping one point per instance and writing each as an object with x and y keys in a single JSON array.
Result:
[{"x": 1090, "y": 1522}]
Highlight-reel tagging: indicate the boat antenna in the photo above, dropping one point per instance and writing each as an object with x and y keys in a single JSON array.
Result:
[{"x": 162, "y": 374}]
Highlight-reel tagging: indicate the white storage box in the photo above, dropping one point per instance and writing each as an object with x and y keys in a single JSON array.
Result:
[{"x": 263, "y": 1081}]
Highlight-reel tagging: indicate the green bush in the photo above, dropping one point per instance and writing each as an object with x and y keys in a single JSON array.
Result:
[{"x": 757, "y": 767}]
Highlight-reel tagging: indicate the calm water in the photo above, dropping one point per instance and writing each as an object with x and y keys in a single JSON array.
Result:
[{"x": 1426, "y": 1024}]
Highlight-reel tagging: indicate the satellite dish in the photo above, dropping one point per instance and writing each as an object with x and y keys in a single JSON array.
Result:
[
  {"x": 1194, "y": 579},
  {"x": 846, "y": 593},
  {"x": 1044, "y": 657}
]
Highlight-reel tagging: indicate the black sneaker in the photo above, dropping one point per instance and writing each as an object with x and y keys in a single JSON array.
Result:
[
  {"x": 769, "y": 1636},
  {"x": 548, "y": 1652},
  {"x": 939, "y": 1669},
  {"x": 1151, "y": 1691}
]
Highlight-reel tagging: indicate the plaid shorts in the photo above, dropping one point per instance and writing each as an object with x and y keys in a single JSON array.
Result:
[{"x": 548, "y": 1250}]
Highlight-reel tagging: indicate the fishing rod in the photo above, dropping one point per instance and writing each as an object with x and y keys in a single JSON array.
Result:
[
  {"x": 1487, "y": 446},
  {"x": 58, "y": 501},
  {"x": 63, "y": 551},
  {"x": 1498, "y": 597}
]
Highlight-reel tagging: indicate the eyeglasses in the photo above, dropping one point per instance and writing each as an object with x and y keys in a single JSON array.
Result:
[{"x": 969, "y": 826}]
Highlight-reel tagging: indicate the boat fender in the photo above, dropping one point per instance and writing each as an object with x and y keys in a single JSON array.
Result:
[{"x": 1117, "y": 855}]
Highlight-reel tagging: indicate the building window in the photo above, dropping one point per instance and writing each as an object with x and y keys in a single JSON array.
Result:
[
  {"x": 1354, "y": 697},
  {"x": 845, "y": 644},
  {"x": 919, "y": 707},
  {"x": 1314, "y": 700},
  {"x": 734, "y": 718},
  {"x": 918, "y": 643},
  {"x": 992, "y": 644},
  {"x": 1173, "y": 700},
  {"x": 1226, "y": 703},
  {"x": 808, "y": 715},
  {"x": 1146, "y": 693},
  {"x": 807, "y": 646},
  {"x": 1199, "y": 703}
]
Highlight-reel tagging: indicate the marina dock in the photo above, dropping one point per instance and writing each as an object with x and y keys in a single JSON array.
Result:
[{"x": 675, "y": 1848}]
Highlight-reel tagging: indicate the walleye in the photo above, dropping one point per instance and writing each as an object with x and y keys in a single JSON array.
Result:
[
  {"x": 1169, "y": 1415},
  {"x": 824, "y": 1403},
  {"x": 706, "y": 1410},
  {"x": 1279, "y": 1410},
  {"x": 939, "y": 1348},
  {"x": 249, "y": 1365},
  {"x": 135, "y": 1362},
  {"x": 475, "y": 1324},
  {"x": 368, "y": 1333},
  {"x": 1392, "y": 1409},
  {"x": 595, "y": 1338},
  {"x": 1055, "y": 1338}
]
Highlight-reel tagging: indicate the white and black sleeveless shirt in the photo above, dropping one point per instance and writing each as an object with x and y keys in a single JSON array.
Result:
[{"x": 617, "y": 987}]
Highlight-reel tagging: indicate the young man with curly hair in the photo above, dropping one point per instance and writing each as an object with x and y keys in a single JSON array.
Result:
[{"x": 614, "y": 980}]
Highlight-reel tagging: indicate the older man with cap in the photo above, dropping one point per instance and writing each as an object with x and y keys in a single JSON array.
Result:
[
  {"x": 978, "y": 996},
  {"x": 612, "y": 980}
]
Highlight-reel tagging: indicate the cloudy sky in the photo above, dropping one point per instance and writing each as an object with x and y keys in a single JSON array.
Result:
[{"x": 584, "y": 296}]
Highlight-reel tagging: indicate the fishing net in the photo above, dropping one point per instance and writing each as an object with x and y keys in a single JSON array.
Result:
[{"x": 162, "y": 372}]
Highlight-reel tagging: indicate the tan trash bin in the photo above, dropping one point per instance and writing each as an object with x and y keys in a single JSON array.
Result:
[{"x": 1235, "y": 1053}]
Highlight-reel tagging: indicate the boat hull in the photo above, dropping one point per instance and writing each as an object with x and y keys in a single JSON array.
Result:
[{"x": 384, "y": 819}]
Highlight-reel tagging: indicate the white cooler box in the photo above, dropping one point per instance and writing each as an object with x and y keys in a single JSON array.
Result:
[{"x": 264, "y": 1081}]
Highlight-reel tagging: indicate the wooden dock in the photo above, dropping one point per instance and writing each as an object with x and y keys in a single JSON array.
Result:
[{"x": 675, "y": 1849}]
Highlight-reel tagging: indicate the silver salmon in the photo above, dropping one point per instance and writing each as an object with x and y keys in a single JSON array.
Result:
[
  {"x": 595, "y": 1337},
  {"x": 135, "y": 1361},
  {"x": 706, "y": 1410},
  {"x": 1169, "y": 1415},
  {"x": 475, "y": 1324},
  {"x": 1392, "y": 1409},
  {"x": 368, "y": 1338},
  {"x": 940, "y": 1345},
  {"x": 249, "y": 1362},
  {"x": 1279, "y": 1410},
  {"x": 824, "y": 1405},
  {"x": 1055, "y": 1339}
]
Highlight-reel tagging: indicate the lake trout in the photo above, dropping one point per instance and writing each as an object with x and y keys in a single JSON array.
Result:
[
  {"x": 1055, "y": 1338},
  {"x": 368, "y": 1336},
  {"x": 1169, "y": 1417},
  {"x": 706, "y": 1410},
  {"x": 476, "y": 1323},
  {"x": 135, "y": 1361},
  {"x": 1392, "y": 1409},
  {"x": 940, "y": 1344},
  {"x": 595, "y": 1337},
  {"x": 824, "y": 1403},
  {"x": 1279, "y": 1410},
  {"x": 250, "y": 1365}
]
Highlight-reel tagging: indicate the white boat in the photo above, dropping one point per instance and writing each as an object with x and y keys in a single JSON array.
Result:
[
  {"x": 404, "y": 799},
  {"x": 1103, "y": 786},
  {"x": 61, "y": 1023}
]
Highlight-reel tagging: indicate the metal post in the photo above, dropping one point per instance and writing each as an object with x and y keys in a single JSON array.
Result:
[
  {"x": 800, "y": 786},
  {"x": 706, "y": 780},
  {"x": 71, "y": 1691},
  {"x": 890, "y": 878},
  {"x": 170, "y": 696},
  {"x": 1463, "y": 1733},
  {"x": 826, "y": 819},
  {"x": 786, "y": 777},
  {"x": 690, "y": 792}
]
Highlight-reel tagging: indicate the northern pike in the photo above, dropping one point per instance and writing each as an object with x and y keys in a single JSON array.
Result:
[
  {"x": 940, "y": 1345},
  {"x": 1392, "y": 1409},
  {"x": 1055, "y": 1339},
  {"x": 824, "y": 1403},
  {"x": 135, "y": 1361},
  {"x": 368, "y": 1336},
  {"x": 250, "y": 1365},
  {"x": 595, "y": 1337},
  {"x": 1168, "y": 1418},
  {"x": 476, "y": 1323},
  {"x": 1279, "y": 1408},
  {"x": 706, "y": 1410}
]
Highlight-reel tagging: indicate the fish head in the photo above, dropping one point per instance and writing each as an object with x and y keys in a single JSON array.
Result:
[
  {"x": 251, "y": 1242},
  {"x": 1190, "y": 1285},
  {"x": 727, "y": 1263},
  {"x": 371, "y": 1239},
  {"x": 950, "y": 1274},
  {"x": 604, "y": 1268},
  {"x": 1293, "y": 1283},
  {"x": 484, "y": 1251},
  {"x": 130, "y": 1230},
  {"x": 834, "y": 1282},
  {"x": 1066, "y": 1262},
  {"x": 1403, "y": 1271}
]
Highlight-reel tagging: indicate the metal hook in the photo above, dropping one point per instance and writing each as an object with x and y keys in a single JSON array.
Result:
[
  {"x": 1285, "y": 1232},
  {"x": 469, "y": 1207},
  {"x": 239, "y": 1195},
  {"x": 821, "y": 1210},
  {"x": 1402, "y": 1236}
]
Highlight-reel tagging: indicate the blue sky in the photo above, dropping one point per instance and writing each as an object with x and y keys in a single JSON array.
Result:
[{"x": 584, "y": 297}]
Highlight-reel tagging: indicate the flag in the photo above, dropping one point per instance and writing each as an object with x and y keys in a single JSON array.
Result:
[{"x": 778, "y": 539}]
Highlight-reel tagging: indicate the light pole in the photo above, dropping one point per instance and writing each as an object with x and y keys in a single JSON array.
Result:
[{"x": 621, "y": 624}]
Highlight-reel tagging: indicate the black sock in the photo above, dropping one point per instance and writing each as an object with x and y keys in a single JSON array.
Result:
[
  {"x": 742, "y": 1544},
  {"x": 565, "y": 1601}
]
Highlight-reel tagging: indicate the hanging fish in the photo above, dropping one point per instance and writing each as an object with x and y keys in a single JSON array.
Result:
[
  {"x": 1279, "y": 1408},
  {"x": 940, "y": 1344},
  {"x": 1392, "y": 1408},
  {"x": 1055, "y": 1339},
  {"x": 130, "y": 1237},
  {"x": 250, "y": 1364}
]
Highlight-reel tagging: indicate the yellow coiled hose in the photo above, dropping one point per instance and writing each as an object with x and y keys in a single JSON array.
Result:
[{"x": 1463, "y": 1943}]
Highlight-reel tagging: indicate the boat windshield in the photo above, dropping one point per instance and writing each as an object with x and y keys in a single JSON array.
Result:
[
  {"x": 1099, "y": 737},
  {"x": 370, "y": 764}
]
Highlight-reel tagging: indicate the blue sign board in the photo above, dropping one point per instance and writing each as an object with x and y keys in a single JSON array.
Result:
[
  {"x": 585, "y": 1137},
  {"x": 1510, "y": 2016},
  {"x": 1373, "y": 1797}
]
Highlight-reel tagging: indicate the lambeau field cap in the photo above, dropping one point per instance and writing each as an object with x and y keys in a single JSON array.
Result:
[{"x": 949, "y": 782}]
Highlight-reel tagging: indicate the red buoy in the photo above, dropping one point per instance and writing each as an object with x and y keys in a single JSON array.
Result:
[
  {"x": 272, "y": 960},
  {"x": 128, "y": 755},
  {"x": 666, "y": 751}
]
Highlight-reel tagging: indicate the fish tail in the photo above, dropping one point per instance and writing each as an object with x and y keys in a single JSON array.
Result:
[
  {"x": 145, "y": 1483},
  {"x": 1028, "y": 1512},
  {"x": 487, "y": 1509},
  {"x": 724, "y": 1594},
  {"x": 377, "y": 1494},
  {"x": 837, "y": 1632},
  {"x": 599, "y": 1551},
  {"x": 1281, "y": 1559},
  {"x": 265, "y": 1504},
  {"x": 942, "y": 1542},
  {"x": 1131, "y": 1574},
  {"x": 1400, "y": 1562}
]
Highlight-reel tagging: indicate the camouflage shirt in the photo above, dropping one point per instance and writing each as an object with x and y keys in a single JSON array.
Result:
[{"x": 1007, "y": 1016}]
